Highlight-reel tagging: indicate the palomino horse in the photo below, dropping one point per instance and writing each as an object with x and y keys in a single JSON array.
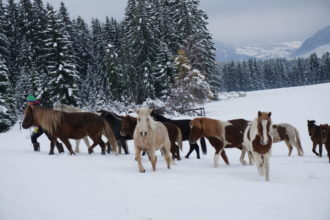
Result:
[
  {"x": 128, "y": 125},
  {"x": 325, "y": 134},
  {"x": 149, "y": 136},
  {"x": 290, "y": 135},
  {"x": 115, "y": 123},
  {"x": 221, "y": 134},
  {"x": 64, "y": 125},
  {"x": 315, "y": 135},
  {"x": 258, "y": 139},
  {"x": 184, "y": 125},
  {"x": 69, "y": 108}
]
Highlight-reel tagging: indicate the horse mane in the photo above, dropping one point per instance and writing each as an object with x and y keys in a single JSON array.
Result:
[
  {"x": 66, "y": 108},
  {"x": 48, "y": 119}
]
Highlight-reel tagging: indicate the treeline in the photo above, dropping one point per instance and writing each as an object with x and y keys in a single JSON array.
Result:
[
  {"x": 46, "y": 53},
  {"x": 274, "y": 73}
]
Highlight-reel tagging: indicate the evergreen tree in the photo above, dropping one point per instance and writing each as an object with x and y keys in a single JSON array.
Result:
[{"x": 61, "y": 84}]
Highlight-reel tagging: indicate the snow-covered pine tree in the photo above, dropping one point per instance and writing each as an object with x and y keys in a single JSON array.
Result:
[
  {"x": 83, "y": 48},
  {"x": 190, "y": 86},
  {"x": 140, "y": 48},
  {"x": 191, "y": 23},
  {"x": 61, "y": 83}
]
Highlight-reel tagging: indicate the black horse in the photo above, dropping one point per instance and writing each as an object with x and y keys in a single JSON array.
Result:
[
  {"x": 184, "y": 125},
  {"x": 115, "y": 124},
  {"x": 315, "y": 135}
]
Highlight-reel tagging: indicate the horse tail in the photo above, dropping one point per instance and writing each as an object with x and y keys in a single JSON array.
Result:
[
  {"x": 203, "y": 145},
  {"x": 298, "y": 142},
  {"x": 107, "y": 131},
  {"x": 179, "y": 138}
]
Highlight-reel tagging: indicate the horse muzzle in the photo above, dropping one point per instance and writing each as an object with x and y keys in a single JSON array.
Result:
[{"x": 143, "y": 133}]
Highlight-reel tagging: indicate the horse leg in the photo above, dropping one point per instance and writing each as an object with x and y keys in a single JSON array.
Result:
[
  {"x": 108, "y": 147},
  {"x": 289, "y": 146},
  {"x": 197, "y": 151},
  {"x": 153, "y": 159},
  {"x": 124, "y": 145},
  {"x": 320, "y": 149},
  {"x": 314, "y": 149},
  {"x": 167, "y": 156},
  {"x": 241, "y": 159},
  {"x": 86, "y": 142},
  {"x": 52, "y": 145},
  {"x": 224, "y": 156},
  {"x": 266, "y": 166},
  {"x": 327, "y": 147},
  {"x": 68, "y": 145},
  {"x": 102, "y": 145},
  {"x": 250, "y": 158},
  {"x": 138, "y": 159},
  {"x": 91, "y": 148},
  {"x": 177, "y": 149},
  {"x": 191, "y": 149},
  {"x": 77, "y": 146},
  {"x": 259, "y": 163}
]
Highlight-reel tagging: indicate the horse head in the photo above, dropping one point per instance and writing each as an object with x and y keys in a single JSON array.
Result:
[
  {"x": 324, "y": 132},
  {"x": 128, "y": 124},
  {"x": 144, "y": 121},
  {"x": 196, "y": 130},
  {"x": 264, "y": 127},
  {"x": 310, "y": 125},
  {"x": 28, "y": 117}
]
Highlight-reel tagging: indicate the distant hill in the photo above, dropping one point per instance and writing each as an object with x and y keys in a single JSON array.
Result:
[
  {"x": 318, "y": 42},
  {"x": 227, "y": 52}
]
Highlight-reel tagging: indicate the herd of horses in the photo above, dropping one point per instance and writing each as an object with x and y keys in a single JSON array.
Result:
[{"x": 152, "y": 131}]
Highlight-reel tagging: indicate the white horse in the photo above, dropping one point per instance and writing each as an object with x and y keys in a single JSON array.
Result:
[
  {"x": 290, "y": 135},
  {"x": 149, "y": 136},
  {"x": 70, "y": 108},
  {"x": 258, "y": 138}
]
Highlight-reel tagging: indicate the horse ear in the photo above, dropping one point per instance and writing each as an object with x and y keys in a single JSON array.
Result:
[
  {"x": 259, "y": 114},
  {"x": 269, "y": 114},
  {"x": 137, "y": 111}
]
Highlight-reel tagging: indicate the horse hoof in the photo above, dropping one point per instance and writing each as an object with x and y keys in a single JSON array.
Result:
[{"x": 142, "y": 171}]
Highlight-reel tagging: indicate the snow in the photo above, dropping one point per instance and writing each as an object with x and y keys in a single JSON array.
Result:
[
  {"x": 319, "y": 51},
  {"x": 37, "y": 186}
]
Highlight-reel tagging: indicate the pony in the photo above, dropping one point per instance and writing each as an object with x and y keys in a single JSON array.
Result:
[
  {"x": 325, "y": 135},
  {"x": 184, "y": 125},
  {"x": 221, "y": 134},
  {"x": 69, "y": 108},
  {"x": 128, "y": 126},
  {"x": 290, "y": 135},
  {"x": 149, "y": 136},
  {"x": 65, "y": 125},
  {"x": 314, "y": 132},
  {"x": 258, "y": 139},
  {"x": 115, "y": 124}
]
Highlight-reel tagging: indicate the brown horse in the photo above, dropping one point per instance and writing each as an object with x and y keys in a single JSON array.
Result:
[
  {"x": 315, "y": 135},
  {"x": 64, "y": 125},
  {"x": 325, "y": 135},
  {"x": 290, "y": 135},
  {"x": 128, "y": 125},
  {"x": 258, "y": 139},
  {"x": 221, "y": 134}
]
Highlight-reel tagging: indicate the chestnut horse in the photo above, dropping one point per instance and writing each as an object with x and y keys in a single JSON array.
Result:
[
  {"x": 64, "y": 125},
  {"x": 128, "y": 124},
  {"x": 70, "y": 108},
  {"x": 290, "y": 135},
  {"x": 221, "y": 134},
  {"x": 149, "y": 136},
  {"x": 315, "y": 135},
  {"x": 258, "y": 139},
  {"x": 325, "y": 134}
]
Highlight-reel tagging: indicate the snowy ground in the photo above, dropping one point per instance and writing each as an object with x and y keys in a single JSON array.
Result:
[{"x": 38, "y": 186}]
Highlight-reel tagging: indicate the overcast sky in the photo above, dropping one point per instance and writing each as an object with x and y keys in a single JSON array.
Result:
[{"x": 233, "y": 21}]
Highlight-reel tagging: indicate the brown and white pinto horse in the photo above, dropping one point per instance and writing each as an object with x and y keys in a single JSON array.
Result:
[
  {"x": 258, "y": 139},
  {"x": 221, "y": 134},
  {"x": 290, "y": 135},
  {"x": 65, "y": 126}
]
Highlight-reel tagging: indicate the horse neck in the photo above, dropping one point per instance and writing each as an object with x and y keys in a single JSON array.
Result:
[
  {"x": 48, "y": 119},
  {"x": 161, "y": 118}
]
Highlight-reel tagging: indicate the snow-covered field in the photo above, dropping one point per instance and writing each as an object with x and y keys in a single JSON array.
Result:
[{"x": 36, "y": 186}]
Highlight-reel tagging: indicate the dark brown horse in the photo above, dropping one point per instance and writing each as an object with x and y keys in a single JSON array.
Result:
[
  {"x": 65, "y": 126},
  {"x": 128, "y": 125},
  {"x": 325, "y": 135},
  {"x": 315, "y": 135}
]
